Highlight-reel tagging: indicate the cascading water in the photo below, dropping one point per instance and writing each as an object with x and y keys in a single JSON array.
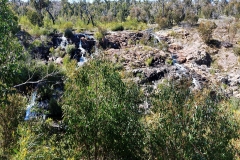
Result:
[
  {"x": 156, "y": 37},
  {"x": 64, "y": 42},
  {"x": 30, "y": 114},
  {"x": 196, "y": 84},
  {"x": 80, "y": 47},
  {"x": 96, "y": 49},
  {"x": 83, "y": 59},
  {"x": 183, "y": 71}
]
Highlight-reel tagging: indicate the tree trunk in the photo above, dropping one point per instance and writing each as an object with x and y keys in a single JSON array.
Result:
[{"x": 53, "y": 20}]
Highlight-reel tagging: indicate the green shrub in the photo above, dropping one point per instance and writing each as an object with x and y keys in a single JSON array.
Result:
[
  {"x": 162, "y": 23},
  {"x": 118, "y": 66},
  {"x": 35, "y": 143},
  {"x": 11, "y": 115},
  {"x": 68, "y": 33},
  {"x": 101, "y": 33},
  {"x": 70, "y": 49},
  {"x": 178, "y": 16},
  {"x": 67, "y": 25},
  {"x": 207, "y": 11},
  {"x": 35, "y": 18},
  {"x": 186, "y": 125},
  {"x": 236, "y": 51},
  {"x": 37, "y": 43},
  {"x": 58, "y": 52},
  {"x": 191, "y": 18},
  {"x": 133, "y": 24},
  {"x": 206, "y": 30},
  {"x": 101, "y": 113},
  {"x": 169, "y": 61},
  {"x": 118, "y": 28},
  {"x": 149, "y": 61},
  {"x": 38, "y": 31},
  {"x": 25, "y": 23},
  {"x": 163, "y": 45}
]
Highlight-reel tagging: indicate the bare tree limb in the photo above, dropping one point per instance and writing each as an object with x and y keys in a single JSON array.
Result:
[{"x": 43, "y": 79}]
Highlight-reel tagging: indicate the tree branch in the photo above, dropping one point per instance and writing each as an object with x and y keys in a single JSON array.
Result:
[{"x": 35, "y": 82}]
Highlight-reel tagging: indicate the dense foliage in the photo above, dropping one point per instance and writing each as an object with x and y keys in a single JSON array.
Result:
[
  {"x": 101, "y": 114},
  {"x": 188, "y": 126},
  {"x": 97, "y": 114}
]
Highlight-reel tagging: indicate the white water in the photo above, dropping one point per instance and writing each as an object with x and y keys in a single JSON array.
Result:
[
  {"x": 180, "y": 67},
  {"x": 64, "y": 42},
  {"x": 83, "y": 59},
  {"x": 196, "y": 84},
  {"x": 82, "y": 49},
  {"x": 183, "y": 71},
  {"x": 30, "y": 114},
  {"x": 156, "y": 37}
]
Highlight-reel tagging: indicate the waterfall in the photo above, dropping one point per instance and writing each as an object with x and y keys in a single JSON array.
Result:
[
  {"x": 196, "y": 84},
  {"x": 180, "y": 67},
  {"x": 64, "y": 42},
  {"x": 95, "y": 51},
  {"x": 30, "y": 114},
  {"x": 82, "y": 49},
  {"x": 156, "y": 37},
  {"x": 82, "y": 59},
  {"x": 182, "y": 70}
]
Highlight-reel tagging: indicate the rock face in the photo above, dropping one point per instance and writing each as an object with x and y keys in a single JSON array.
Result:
[
  {"x": 177, "y": 53},
  {"x": 149, "y": 75},
  {"x": 203, "y": 58},
  {"x": 42, "y": 51},
  {"x": 226, "y": 44},
  {"x": 186, "y": 57},
  {"x": 119, "y": 40},
  {"x": 171, "y": 54}
]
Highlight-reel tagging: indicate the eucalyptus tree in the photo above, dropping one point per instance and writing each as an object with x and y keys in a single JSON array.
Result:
[
  {"x": 11, "y": 54},
  {"x": 101, "y": 113},
  {"x": 40, "y": 6}
]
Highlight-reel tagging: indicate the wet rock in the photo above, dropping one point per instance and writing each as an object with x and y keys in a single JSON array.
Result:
[
  {"x": 56, "y": 40},
  {"x": 41, "y": 52},
  {"x": 151, "y": 75},
  {"x": 226, "y": 44},
  {"x": 121, "y": 39},
  {"x": 225, "y": 80},
  {"x": 158, "y": 59},
  {"x": 203, "y": 58},
  {"x": 175, "y": 47},
  {"x": 87, "y": 41},
  {"x": 181, "y": 58}
]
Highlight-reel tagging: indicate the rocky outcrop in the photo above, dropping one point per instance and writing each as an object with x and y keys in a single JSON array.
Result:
[
  {"x": 41, "y": 52},
  {"x": 54, "y": 40},
  {"x": 150, "y": 75},
  {"x": 203, "y": 58},
  {"x": 121, "y": 39},
  {"x": 226, "y": 44}
]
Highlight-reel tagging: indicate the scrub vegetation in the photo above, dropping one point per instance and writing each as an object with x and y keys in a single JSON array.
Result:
[{"x": 93, "y": 111}]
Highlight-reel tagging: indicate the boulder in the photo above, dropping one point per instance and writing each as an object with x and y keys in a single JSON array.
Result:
[
  {"x": 226, "y": 44},
  {"x": 151, "y": 75},
  {"x": 203, "y": 58},
  {"x": 175, "y": 47}
]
